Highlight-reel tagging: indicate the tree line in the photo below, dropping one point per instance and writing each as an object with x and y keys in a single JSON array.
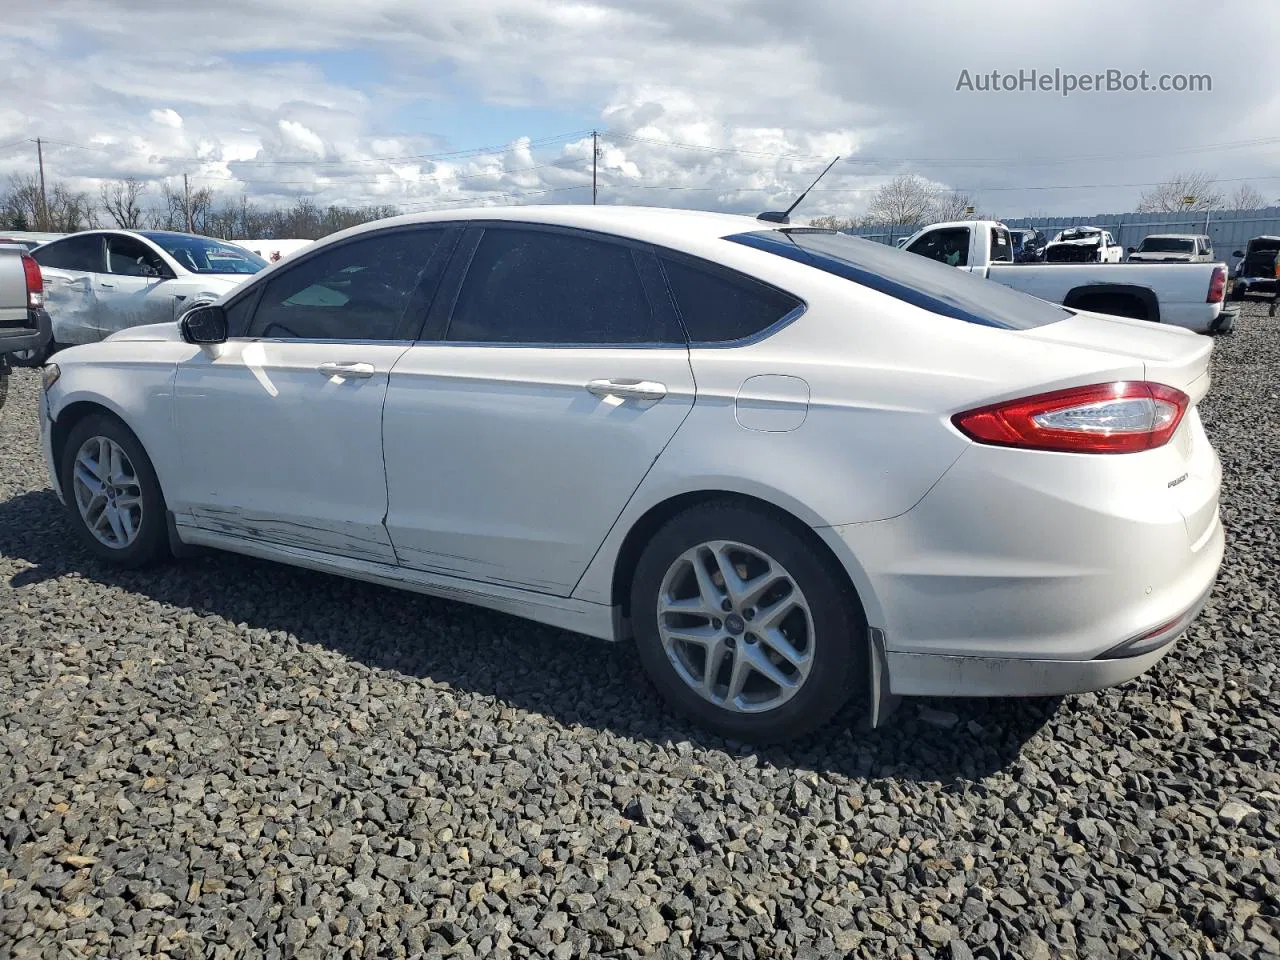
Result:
[
  {"x": 130, "y": 204},
  {"x": 910, "y": 199}
]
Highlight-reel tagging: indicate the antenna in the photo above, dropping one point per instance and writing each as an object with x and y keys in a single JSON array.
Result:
[{"x": 774, "y": 216}]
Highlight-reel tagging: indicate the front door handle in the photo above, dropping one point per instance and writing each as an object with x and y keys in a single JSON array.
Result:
[
  {"x": 346, "y": 369},
  {"x": 628, "y": 389},
  {"x": 105, "y": 283}
]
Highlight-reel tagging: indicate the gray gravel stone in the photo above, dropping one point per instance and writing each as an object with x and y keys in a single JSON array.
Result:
[{"x": 223, "y": 758}]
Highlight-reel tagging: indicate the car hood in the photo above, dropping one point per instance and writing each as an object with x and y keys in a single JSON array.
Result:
[{"x": 168, "y": 331}]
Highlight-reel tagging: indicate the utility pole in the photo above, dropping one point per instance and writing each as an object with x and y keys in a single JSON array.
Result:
[
  {"x": 186, "y": 202},
  {"x": 43, "y": 218},
  {"x": 595, "y": 153}
]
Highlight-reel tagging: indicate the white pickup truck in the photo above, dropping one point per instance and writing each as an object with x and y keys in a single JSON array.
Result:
[
  {"x": 1186, "y": 295},
  {"x": 24, "y": 325}
]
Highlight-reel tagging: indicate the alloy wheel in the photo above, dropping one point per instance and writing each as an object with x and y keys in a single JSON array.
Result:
[
  {"x": 107, "y": 492},
  {"x": 736, "y": 627}
]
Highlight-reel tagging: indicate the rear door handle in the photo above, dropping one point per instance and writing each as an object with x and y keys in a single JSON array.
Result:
[
  {"x": 346, "y": 369},
  {"x": 628, "y": 389}
]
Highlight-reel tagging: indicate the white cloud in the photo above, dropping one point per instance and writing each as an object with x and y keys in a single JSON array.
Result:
[{"x": 167, "y": 117}]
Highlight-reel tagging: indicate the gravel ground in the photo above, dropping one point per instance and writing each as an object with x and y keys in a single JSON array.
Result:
[{"x": 229, "y": 758}]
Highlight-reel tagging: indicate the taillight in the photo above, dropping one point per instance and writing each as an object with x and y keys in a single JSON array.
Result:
[
  {"x": 1122, "y": 417},
  {"x": 35, "y": 282},
  {"x": 1217, "y": 285}
]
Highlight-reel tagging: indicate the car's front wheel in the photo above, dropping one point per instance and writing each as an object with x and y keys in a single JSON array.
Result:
[
  {"x": 742, "y": 624},
  {"x": 112, "y": 492}
]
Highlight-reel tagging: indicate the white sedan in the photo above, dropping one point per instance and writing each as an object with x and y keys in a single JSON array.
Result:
[
  {"x": 101, "y": 281},
  {"x": 792, "y": 465}
]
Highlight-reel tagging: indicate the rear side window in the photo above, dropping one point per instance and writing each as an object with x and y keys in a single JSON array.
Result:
[
  {"x": 720, "y": 307},
  {"x": 75, "y": 253},
  {"x": 356, "y": 290},
  {"x": 545, "y": 287},
  {"x": 1001, "y": 246}
]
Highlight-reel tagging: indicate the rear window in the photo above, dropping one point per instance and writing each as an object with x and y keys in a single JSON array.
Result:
[
  {"x": 913, "y": 279},
  {"x": 1165, "y": 245}
]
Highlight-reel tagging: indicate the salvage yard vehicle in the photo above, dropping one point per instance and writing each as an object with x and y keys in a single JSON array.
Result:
[
  {"x": 1172, "y": 248},
  {"x": 790, "y": 464},
  {"x": 24, "y": 325},
  {"x": 1182, "y": 295},
  {"x": 1028, "y": 244},
  {"x": 1256, "y": 272},
  {"x": 102, "y": 281},
  {"x": 1082, "y": 245}
]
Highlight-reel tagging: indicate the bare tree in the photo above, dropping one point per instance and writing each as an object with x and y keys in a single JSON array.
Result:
[
  {"x": 122, "y": 202},
  {"x": 1183, "y": 191},
  {"x": 182, "y": 212},
  {"x": 831, "y": 223},
  {"x": 1245, "y": 197},
  {"x": 953, "y": 206},
  {"x": 904, "y": 200},
  {"x": 21, "y": 204}
]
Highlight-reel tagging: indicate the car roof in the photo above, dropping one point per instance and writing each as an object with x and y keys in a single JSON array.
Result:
[
  {"x": 1175, "y": 236},
  {"x": 663, "y": 225}
]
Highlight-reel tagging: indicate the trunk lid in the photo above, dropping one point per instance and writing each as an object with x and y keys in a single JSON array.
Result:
[{"x": 1170, "y": 355}]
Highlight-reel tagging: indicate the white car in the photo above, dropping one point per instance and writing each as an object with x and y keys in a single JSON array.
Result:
[
  {"x": 791, "y": 464},
  {"x": 101, "y": 281},
  {"x": 1083, "y": 245}
]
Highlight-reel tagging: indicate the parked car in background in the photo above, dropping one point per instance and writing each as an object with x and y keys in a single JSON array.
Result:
[
  {"x": 1028, "y": 244},
  {"x": 1186, "y": 295},
  {"x": 1172, "y": 248},
  {"x": 1256, "y": 271},
  {"x": 1083, "y": 245},
  {"x": 24, "y": 325},
  {"x": 101, "y": 281},
  {"x": 785, "y": 461}
]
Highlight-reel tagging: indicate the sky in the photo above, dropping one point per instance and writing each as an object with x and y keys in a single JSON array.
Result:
[{"x": 730, "y": 105}]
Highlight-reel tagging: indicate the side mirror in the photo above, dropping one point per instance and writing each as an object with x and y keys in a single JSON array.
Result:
[
  {"x": 1237, "y": 253},
  {"x": 204, "y": 324},
  {"x": 1132, "y": 250}
]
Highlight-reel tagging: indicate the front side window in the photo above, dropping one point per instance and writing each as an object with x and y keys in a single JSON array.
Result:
[
  {"x": 356, "y": 290},
  {"x": 546, "y": 287},
  {"x": 949, "y": 246},
  {"x": 719, "y": 307},
  {"x": 127, "y": 257},
  {"x": 82, "y": 254}
]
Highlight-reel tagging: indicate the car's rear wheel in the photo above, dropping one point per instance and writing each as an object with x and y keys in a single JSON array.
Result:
[
  {"x": 743, "y": 626},
  {"x": 112, "y": 493}
]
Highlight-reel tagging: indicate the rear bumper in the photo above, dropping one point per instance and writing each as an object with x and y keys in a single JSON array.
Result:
[
  {"x": 1255, "y": 284},
  {"x": 935, "y": 675},
  {"x": 34, "y": 335},
  {"x": 1224, "y": 322}
]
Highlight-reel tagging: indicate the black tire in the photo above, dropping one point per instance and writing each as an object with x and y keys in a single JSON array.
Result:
[
  {"x": 838, "y": 671},
  {"x": 4, "y": 383},
  {"x": 1237, "y": 292},
  {"x": 152, "y": 543}
]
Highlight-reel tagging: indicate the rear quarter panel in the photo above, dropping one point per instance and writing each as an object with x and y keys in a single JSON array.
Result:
[{"x": 883, "y": 379}]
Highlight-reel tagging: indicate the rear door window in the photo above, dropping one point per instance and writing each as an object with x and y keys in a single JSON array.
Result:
[
  {"x": 82, "y": 254},
  {"x": 949, "y": 245},
  {"x": 533, "y": 287},
  {"x": 721, "y": 306}
]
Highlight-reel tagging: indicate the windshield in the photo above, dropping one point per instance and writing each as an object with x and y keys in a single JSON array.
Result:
[
  {"x": 909, "y": 277},
  {"x": 1082, "y": 233},
  {"x": 1165, "y": 245},
  {"x": 206, "y": 255}
]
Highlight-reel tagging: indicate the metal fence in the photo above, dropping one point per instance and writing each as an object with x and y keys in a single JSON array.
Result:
[{"x": 1229, "y": 230}]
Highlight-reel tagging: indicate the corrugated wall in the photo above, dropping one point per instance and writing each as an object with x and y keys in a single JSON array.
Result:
[{"x": 1230, "y": 230}]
